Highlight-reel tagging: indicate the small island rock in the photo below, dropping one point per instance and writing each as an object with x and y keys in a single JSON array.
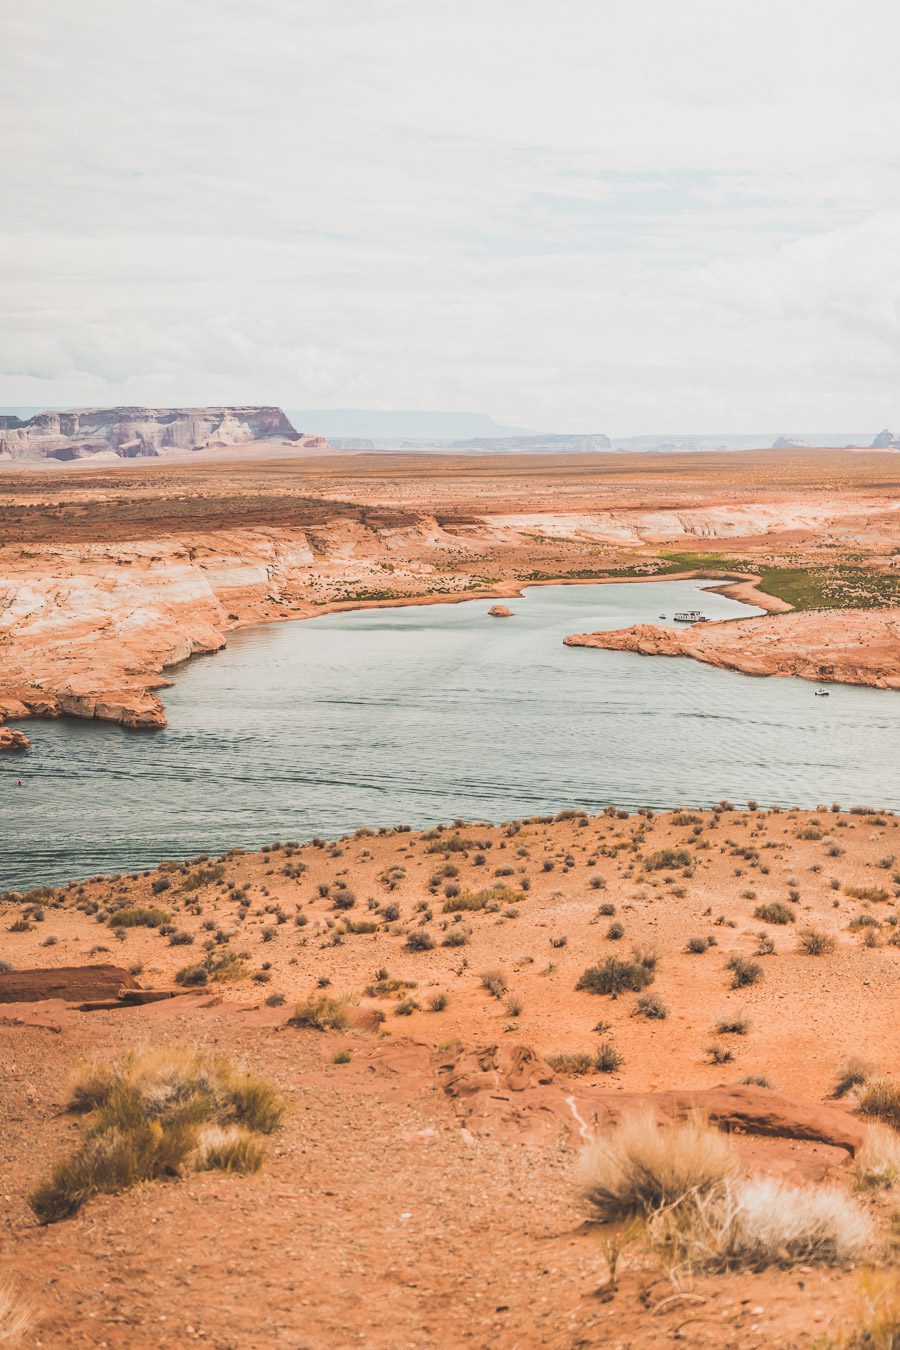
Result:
[{"x": 13, "y": 740}]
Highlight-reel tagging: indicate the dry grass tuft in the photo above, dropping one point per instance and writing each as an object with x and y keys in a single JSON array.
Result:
[
  {"x": 682, "y": 1179},
  {"x": 877, "y": 1163},
  {"x": 852, "y": 1074},
  {"x": 643, "y": 1165},
  {"x": 763, "y": 1222},
  {"x": 321, "y": 1013},
  {"x": 145, "y": 1117},
  {"x": 878, "y": 1327},
  {"x": 16, "y": 1317},
  {"x": 881, "y": 1099},
  {"x": 614, "y": 976},
  {"x": 232, "y": 1149}
]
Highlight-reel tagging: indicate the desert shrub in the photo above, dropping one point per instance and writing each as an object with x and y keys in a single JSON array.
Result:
[
  {"x": 853, "y": 1073},
  {"x": 813, "y": 942},
  {"x": 641, "y": 1165},
  {"x": 873, "y": 893},
  {"x": 321, "y": 1013},
  {"x": 360, "y": 926},
  {"x": 615, "y": 931},
  {"x": 881, "y": 1100},
  {"x": 608, "y": 1059},
  {"x": 146, "y": 1115},
  {"x": 877, "y": 1162},
  {"x": 733, "y": 1026},
  {"x": 203, "y": 876},
  {"x": 218, "y": 967},
  {"x": 667, "y": 858},
  {"x": 437, "y": 1002},
  {"x": 160, "y": 884},
  {"x": 718, "y": 1054},
  {"x": 196, "y": 974},
  {"x": 696, "y": 946},
  {"x": 650, "y": 1006},
  {"x": 615, "y": 976},
  {"x": 457, "y": 937},
  {"x": 490, "y": 898},
  {"x": 775, "y": 912},
  {"x": 573, "y": 1065},
  {"x": 494, "y": 982},
  {"x": 419, "y": 940},
  {"x": 743, "y": 972}
]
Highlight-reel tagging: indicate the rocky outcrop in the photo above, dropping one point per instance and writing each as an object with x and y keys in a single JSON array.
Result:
[
  {"x": 72, "y": 983},
  {"x": 136, "y": 433},
  {"x": 846, "y": 646},
  {"x": 501, "y": 612},
  {"x": 13, "y": 740},
  {"x": 886, "y": 440},
  {"x": 509, "y": 1090}
]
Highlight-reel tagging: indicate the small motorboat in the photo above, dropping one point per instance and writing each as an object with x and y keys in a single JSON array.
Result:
[
  {"x": 690, "y": 616},
  {"x": 822, "y": 693},
  {"x": 662, "y": 616}
]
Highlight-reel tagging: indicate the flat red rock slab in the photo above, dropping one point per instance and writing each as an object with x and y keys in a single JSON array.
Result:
[{"x": 75, "y": 984}]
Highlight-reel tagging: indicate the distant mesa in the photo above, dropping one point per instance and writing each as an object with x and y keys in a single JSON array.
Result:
[
  {"x": 538, "y": 445},
  {"x": 470, "y": 433},
  {"x": 886, "y": 440},
  {"x": 141, "y": 433},
  {"x": 785, "y": 443}
]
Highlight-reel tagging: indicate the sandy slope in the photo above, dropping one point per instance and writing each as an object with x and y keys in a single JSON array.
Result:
[{"x": 391, "y": 1211}]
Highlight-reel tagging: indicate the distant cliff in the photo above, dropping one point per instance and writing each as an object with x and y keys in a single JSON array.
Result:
[{"x": 134, "y": 433}]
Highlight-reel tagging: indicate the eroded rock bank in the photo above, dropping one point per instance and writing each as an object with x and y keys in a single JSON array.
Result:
[
  {"x": 839, "y": 646},
  {"x": 109, "y": 577}
]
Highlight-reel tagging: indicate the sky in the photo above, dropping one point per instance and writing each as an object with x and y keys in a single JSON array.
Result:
[{"x": 621, "y": 216}]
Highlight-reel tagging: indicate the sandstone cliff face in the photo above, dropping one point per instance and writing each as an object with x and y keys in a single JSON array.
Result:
[
  {"x": 88, "y": 632},
  {"x": 141, "y": 432}
]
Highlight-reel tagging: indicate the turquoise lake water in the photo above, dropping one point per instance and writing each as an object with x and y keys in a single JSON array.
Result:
[{"x": 422, "y": 714}]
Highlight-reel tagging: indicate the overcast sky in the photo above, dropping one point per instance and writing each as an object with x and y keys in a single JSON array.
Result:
[{"x": 578, "y": 215}]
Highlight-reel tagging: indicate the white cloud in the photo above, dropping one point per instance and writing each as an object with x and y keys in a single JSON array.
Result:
[{"x": 581, "y": 214}]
